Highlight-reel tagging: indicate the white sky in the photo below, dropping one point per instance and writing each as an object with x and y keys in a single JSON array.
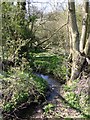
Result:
[{"x": 50, "y": 5}]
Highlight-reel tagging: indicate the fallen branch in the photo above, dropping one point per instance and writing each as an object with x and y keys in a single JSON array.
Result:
[{"x": 52, "y": 34}]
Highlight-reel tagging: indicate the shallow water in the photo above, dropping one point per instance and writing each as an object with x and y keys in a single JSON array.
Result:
[{"x": 53, "y": 84}]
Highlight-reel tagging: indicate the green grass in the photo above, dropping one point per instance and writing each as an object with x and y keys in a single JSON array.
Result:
[{"x": 50, "y": 64}]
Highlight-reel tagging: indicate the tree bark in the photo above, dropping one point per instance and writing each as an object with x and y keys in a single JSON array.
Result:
[
  {"x": 74, "y": 38},
  {"x": 84, "y": 26},
  {"x": 77, "y": 65},
  {"x": 73, "y": 25},
  {"x": 87, "y": 48},
  {"x": 77, "y": 58}
]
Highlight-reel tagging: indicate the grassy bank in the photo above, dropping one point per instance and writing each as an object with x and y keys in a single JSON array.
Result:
[
  {"x": 50, "y": 64},
  {"x": 77, "y": 96},
  {"x": 24, "y": 87},
  {"x": 21, "y": 88}
]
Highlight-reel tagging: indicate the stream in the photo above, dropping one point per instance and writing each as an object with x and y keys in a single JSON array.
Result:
[
  {"x": 53, "y": 84},
  {"x": 52, "y": 95}
]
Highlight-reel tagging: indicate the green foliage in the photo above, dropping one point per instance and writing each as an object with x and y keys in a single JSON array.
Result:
[
  {"x": 17, "y": 35},
  {"x": 77, "y": 98},
  {"x": 22, "y": 97},
  {"x": 33, "y": 18},
  {"x": 70, "y": 88},
  {"x": 19, "y": 86},
  {"x": 40, "y": 83},
  {"x": 48, "y": 108},
  {"x": 8, "y": 107},
  {"x": 73, "y": 99},
  {"x": 51, "y": 64},
  {"x": 17, "y": 100},
  {"x": 70, "y": 95}
]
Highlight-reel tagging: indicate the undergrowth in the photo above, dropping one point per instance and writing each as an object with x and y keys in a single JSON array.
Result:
[
  {"x": 76, "y": 99},
  {"x": 51, "y": 64},
  {"x": 19, "y": 87}
]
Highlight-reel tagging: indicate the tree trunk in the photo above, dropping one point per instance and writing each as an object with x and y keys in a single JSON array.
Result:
[
  {"x": 87, "y": 50},
  {"x": 77, "y": 65},
  {"x": 73, "y": 26},
  {"x": 77, "y": 58},
  {"x": 87, "y": 47},
  {"x": 74, "y": 38},
  {"x": 84, "y": 26}
]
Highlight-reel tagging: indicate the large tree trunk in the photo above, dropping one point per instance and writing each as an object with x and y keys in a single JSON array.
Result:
[
  {"x": 77, "y": 65},
  {"x": 77, "y": 58},
  {"x": 84, "y": 26},
  {"x": 74, "y": 39},
  {"x": 73, "y": 26}
]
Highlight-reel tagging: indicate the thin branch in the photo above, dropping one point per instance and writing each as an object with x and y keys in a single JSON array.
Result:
[{"x": 52, "y": 34}]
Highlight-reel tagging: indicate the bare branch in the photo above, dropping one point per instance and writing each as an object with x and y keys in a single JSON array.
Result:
[{"x": 52, "y": 34}]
